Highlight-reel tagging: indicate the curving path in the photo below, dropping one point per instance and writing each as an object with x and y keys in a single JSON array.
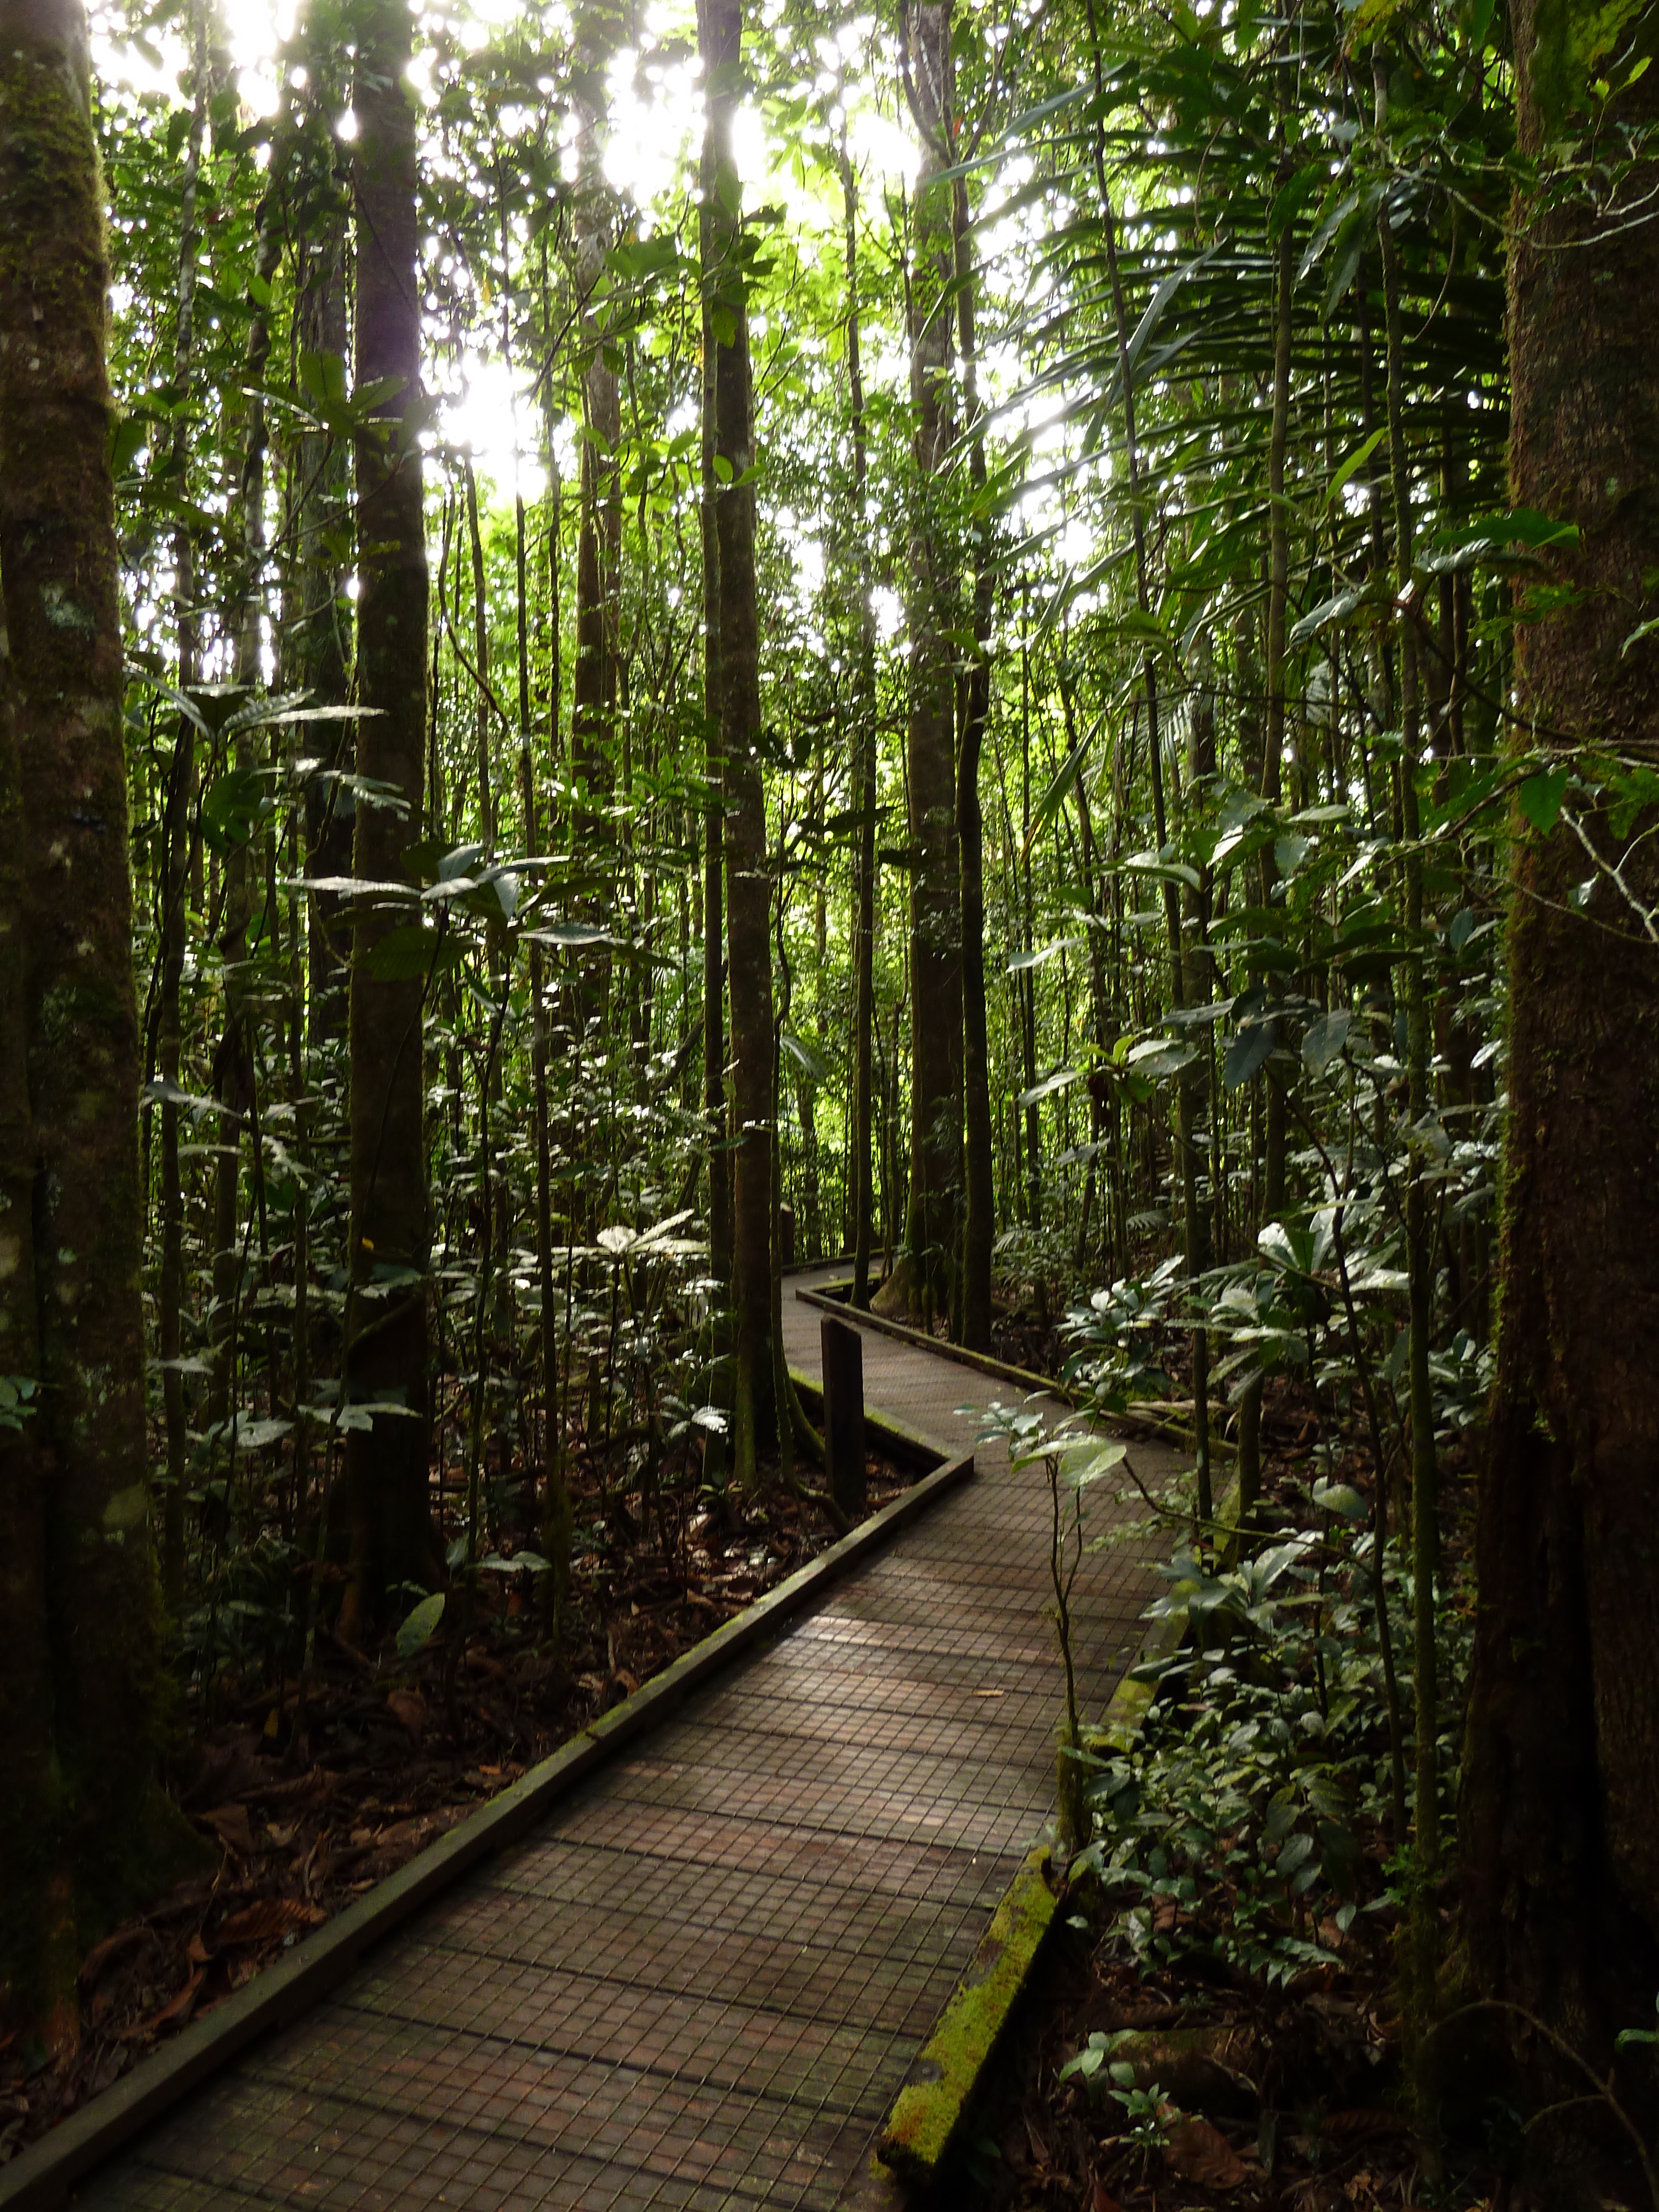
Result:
[{"x": 701, "y": 1982}]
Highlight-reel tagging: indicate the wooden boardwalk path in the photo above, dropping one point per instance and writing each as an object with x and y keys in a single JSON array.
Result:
[{"x": 701, "y": 1982}]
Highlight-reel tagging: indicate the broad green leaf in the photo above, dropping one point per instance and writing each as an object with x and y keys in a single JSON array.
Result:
[
  {"x": 1049, "y": 1084},
  {"x": 1162, "y": 1056},
  {"x": 1323, "y": 1040},
  {"x": 1355, "y": 461},
  {"x": 1247, "y": 1052},
  {"x": 1341, "y": 1498},
  {"x": 419, "y": 1623},
  {"x": 1539, "y": 798}
]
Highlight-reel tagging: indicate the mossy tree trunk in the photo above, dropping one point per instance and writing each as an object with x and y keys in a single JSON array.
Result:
[
  {"x": 83, "y": 1829},
  {"x": 1561, "y": 1817},
  {"x": 748, "y": 883},
  {"x": 389, "y": 1537}
]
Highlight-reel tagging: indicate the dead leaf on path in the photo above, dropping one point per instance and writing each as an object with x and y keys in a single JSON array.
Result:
[
  {"x": 100, "y": 1954},
  {"x": 1199, "y": 2153},
  {"x": 1101, "y": 2201},
  {"x": 231, "y": 1826},
  {"x": 265, "y": 1922},
  {"x": 1364, "y": 2120},
  {"x": 409, "y": 1707}
]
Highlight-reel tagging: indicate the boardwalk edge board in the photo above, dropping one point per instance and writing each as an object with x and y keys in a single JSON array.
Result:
[
  {"x": 926, "y": 2121},
  {"x": 44, "y": 2176},
  {"x": 924, "y": 2127},
  {"x": 832, "y": 1298}
]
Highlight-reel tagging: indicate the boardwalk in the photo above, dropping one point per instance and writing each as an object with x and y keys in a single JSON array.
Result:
[{"x": 701, "y": 1983}]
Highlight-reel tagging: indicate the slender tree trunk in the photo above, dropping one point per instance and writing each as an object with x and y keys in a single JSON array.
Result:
[
  {"x": 713, "y": 832},
  {"x": 1420, "y": 1254},
  {"x": 481, "y": 662},
  {"x": 1269, "y": 778},
  {"x": 979, "y": 1226},
  {"x": 83, "y": 1830},
  {"x": 390, "y": 1529},
  {"x": 1278, "y": 575},
  {"x": 1027, "y": 982},
  {"x": 599, "y": 537},
  {"x": 748, "y": 882},
  {"x": 233, "y": 1075},
  {"x": 1196, "y": 1228},
  {"x": 316, "y": 644},
  {"x": 175, "y": 847},
  {"x": 863, "y": 781},
  {"x": 936, "y": 1030},
  {"x": 1560, "y": 1814}
]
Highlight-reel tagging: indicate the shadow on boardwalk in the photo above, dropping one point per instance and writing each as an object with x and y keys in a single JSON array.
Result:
[{"x": 701, "y": 1982}]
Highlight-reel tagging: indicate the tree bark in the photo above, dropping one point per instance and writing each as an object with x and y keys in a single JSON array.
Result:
[
  {"x": 1561, "y": 1817},
  {"x": 1421, "y": 1258},
  {"x": 713, "y": 832},
  {"x": 481, "y": 663},
  {"x": 979, "y": 1224},
  {"x": 935, "y": 893},
  {"x": 316, "y": 644},
  {"x": 83, "y": 1829},
  {"x": 863, "y": 781},
  {"x": 598, "y": 539},
  {"x": 175, "y": 847},
  {"x": 390, "y": 1531},
  {"x": 748, "y": 881}
]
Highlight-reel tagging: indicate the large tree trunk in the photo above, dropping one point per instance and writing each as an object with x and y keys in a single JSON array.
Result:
[
  {"x": 1561, "y": 1822},
  {"x": 83, "y": 1827},
  {"x": 389, "y": 1530},
  {"x": 935, "y": 907},
  {"x": 748, "y": 882}
]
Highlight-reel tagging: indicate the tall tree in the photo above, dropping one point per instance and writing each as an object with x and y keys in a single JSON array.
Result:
[
  {"x": 176, "y": 843},
  {"x": 936, "y": 1033},
  {"x": 979, "y": 1196},
  {"x": 316, "y": 639},
  {"x": 863, "y": 768},
  {"x": 713, "y": 822},
  {"x": 599, "y": 542},
  {"x": 1561, "y": 1780},
  {"x": 83, "y": 1829},
  {"x": 390, "y": 1533},
  {"x": 749, "y": 888}
]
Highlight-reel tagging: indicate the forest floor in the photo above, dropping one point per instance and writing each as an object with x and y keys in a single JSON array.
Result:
[
  {"x": 309, "y": 1802},
  {"x": 1248, "y": 2093}
]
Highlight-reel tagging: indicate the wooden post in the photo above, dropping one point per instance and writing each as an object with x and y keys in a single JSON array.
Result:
[
  {"x": 843, "y": 1414},
  {"x": 785, "y": 1236}
]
